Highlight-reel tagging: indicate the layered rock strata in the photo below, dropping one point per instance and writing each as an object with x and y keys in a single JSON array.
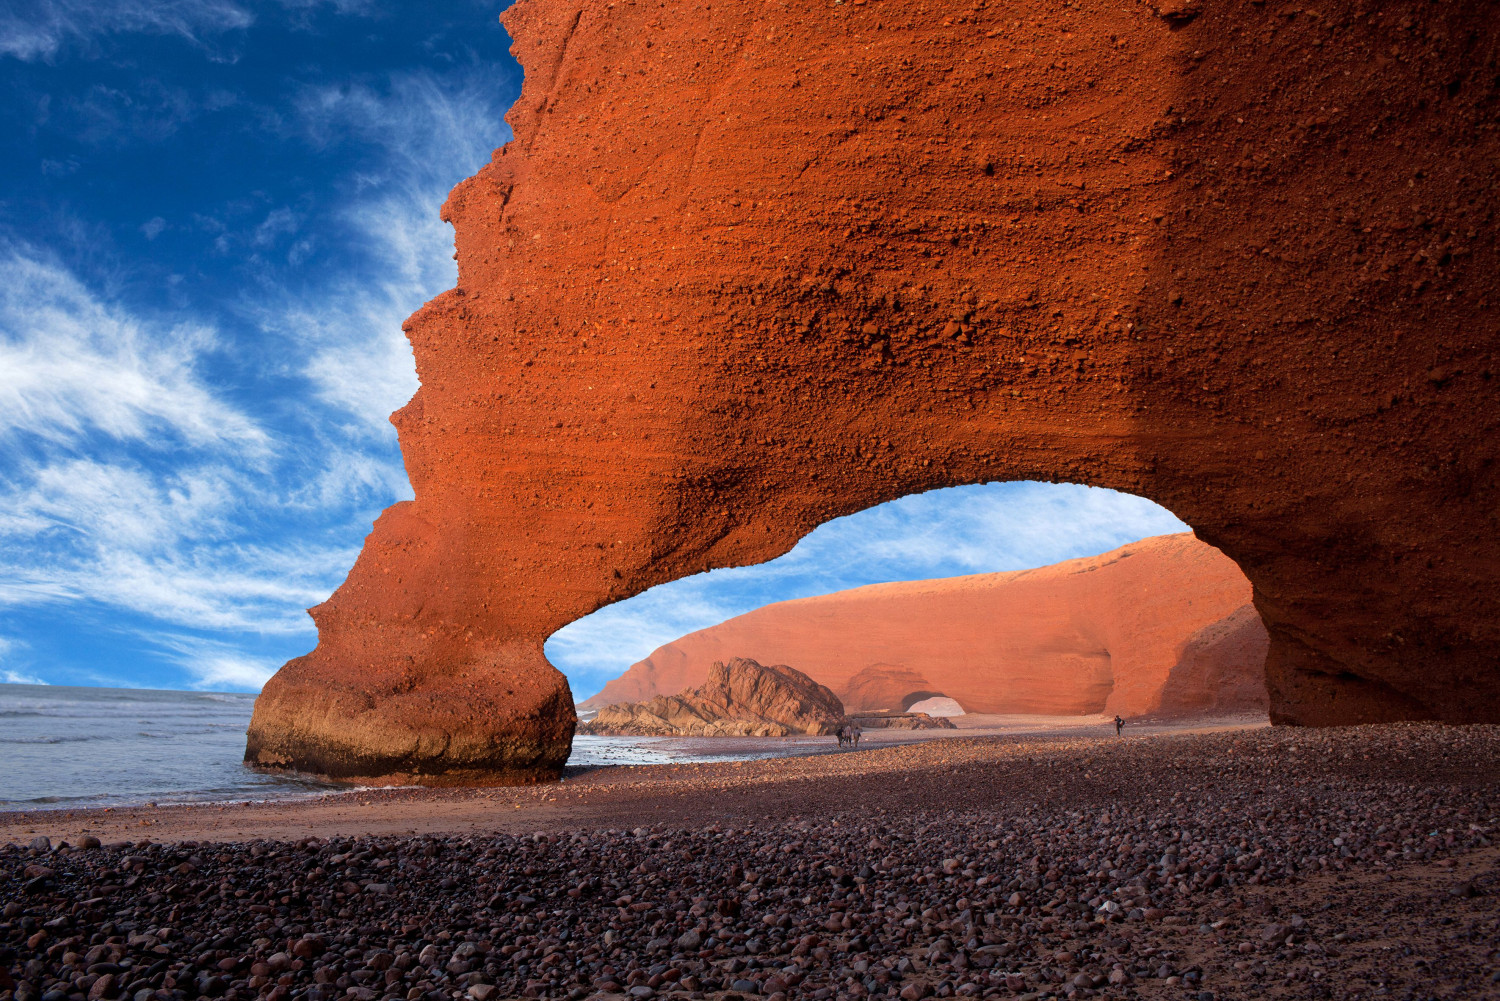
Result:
[
  {"x": 1161, "y": 625},
  {"x": 739, "y": 699},
  {"x": 748, "y": 267},
  {"x": 901, "y": 721}
]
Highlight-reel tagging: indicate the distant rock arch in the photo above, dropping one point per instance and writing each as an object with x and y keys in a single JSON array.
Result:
[
  {"x": 912, "y": 698},
  {"x": 939, "y": 705},
  {"x": 759, "y": 284}
]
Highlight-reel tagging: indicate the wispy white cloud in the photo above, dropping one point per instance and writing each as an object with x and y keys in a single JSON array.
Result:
[
  {"x": 38, "y": 29},
  {"x": 71, "y": 364},
  {"x": 130, "y": 482},
  {"x": 278, "y": 222},
  {"x": 220, "y": 667},
  {"x": 433, "y": 133},
  {"x": 179, "y": 523},
  {"x": 11, "y": 675},
  {"x": 597, "y": 648},
  {"x": 18, "y": 678},
  {"x": 943, "y": 533},
  {"x": 169, "y": 546},
  {"x": 214, "y": 472}
]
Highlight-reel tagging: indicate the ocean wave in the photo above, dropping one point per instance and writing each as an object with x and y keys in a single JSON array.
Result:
[
  {"x": 101, "y": 799},
  {"x": 54, "y": 739}
]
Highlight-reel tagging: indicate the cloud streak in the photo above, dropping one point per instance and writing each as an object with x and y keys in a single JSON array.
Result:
[
  {"x": 71, "y": 364},
  {"x": 434, "y": 132},
  {"x": 217, "y": 666},
  {"x": 131, "y": 483},
  {"x": 38, "y": 29},
  {"x": 135, "y": 482},
  {"x": 10, "y": 675}
]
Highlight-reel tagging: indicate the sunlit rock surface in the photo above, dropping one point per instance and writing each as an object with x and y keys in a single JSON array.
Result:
[
  {"x": 740, "y": 698},
  {"x": 1161, "y": 624},
  {"x": 748, "y": 267}
]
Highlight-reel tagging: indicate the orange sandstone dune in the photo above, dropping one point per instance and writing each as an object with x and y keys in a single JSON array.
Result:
[{"x": 1164, "y": 624}]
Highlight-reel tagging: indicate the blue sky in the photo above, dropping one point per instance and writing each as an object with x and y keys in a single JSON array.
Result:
[{"x": 214, "y": 215}]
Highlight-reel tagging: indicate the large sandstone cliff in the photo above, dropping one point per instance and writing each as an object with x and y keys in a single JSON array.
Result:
[
  {"x": 750, "y": 266},
  {"x": 741, "y": 698},
  {"x": 1164, "y": 624}
]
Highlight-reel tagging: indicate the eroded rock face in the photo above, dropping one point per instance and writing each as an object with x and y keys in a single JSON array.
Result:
[
  {"x": 739, "y": 699},
  {"x": 901, "y": 721},
  {"x": 1164, "y": 624},
  {"x": 748, "y": 267}
]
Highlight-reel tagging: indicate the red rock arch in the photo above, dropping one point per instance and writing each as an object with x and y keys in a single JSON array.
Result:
[
  {"x": 747, "y": 267},
  {"x": 912, "y": 698}
]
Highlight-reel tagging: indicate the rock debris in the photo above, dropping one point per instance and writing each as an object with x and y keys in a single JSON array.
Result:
[{"x": 1347, "y": 863}]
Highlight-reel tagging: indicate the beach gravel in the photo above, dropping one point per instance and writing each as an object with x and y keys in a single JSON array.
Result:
[{"x": 1347, "y": 863}]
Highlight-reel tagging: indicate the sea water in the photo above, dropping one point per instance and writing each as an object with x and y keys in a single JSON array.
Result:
[
  {"x": 69, "y": 748},
  {"x": 80, "y": 747}
]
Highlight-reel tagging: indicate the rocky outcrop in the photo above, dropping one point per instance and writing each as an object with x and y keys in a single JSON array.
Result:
[
  {"x": 739, "y": 699},
  {"x": 1216, "y": 671},
  {"x": 749, "y": 267},
  {"x": 900, "y": 721},
  {"x": 1164, "y": 624}
]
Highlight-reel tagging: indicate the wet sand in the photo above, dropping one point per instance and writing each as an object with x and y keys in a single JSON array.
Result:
[{"x": 586, "y": 797}]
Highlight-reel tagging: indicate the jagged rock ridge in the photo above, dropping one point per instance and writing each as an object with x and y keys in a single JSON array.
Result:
[{"x": 739, "y": 699}]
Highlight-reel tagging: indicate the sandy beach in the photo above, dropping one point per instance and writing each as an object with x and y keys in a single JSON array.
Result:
[
  {"x": 1242, "y": 861},
  {"x": 585, "y": 798}
]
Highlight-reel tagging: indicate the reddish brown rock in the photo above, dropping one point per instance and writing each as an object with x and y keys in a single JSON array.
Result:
[
  {"x": 1161, "y": 624},
  {"x": 739, "y": 699},
  {"x": 901, "y": 721},
  {"x": 748, "y": 267}
]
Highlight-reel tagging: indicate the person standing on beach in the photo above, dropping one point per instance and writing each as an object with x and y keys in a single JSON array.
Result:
[{"x": 1119, "y": 724}]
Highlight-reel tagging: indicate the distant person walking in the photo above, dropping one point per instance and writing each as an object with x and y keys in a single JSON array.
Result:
[{"x": 1119, "y": 724}]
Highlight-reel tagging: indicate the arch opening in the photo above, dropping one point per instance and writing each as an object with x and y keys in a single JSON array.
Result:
[{"x": 1003, "y": 598}]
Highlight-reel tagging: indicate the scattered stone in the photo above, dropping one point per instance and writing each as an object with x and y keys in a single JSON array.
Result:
[{"x": 980, "y": 868}]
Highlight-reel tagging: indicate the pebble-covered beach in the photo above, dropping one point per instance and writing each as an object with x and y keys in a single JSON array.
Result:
[{"x": 1267, "y": 862}]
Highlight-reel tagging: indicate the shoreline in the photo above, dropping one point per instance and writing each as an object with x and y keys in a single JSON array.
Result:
[{"x": 329, "y": 809}]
